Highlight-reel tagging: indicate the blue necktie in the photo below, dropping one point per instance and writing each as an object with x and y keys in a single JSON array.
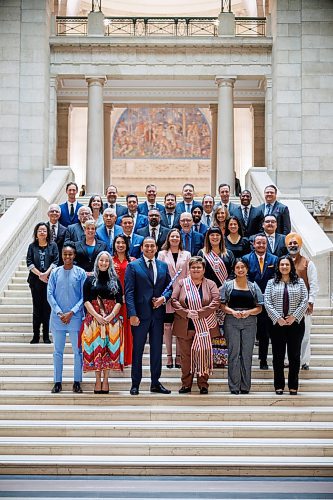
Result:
[
  {"x": 151, "y": 270},
  {"x": 268, "y": 208},
  {"x": 208, "y": 220},
  {"x": 169, "y": 219},
  {"x": 188, "y": 207},
  {"x": 187, "y": 242}
]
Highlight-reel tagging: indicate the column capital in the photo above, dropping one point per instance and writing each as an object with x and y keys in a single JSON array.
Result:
[
  {"x": 225, "y": 81},
  {"x": 93, "y": 80}
]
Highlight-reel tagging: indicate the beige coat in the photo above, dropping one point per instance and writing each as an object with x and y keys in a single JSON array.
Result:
[{"x": 182, "y": 263}]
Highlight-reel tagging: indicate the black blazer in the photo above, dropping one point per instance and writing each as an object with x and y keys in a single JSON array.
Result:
[
  {"x": 254, "y": 221},
  {"x": 162, "y": 235},
  {"x": 120, "y": 209},
  {"x": 74, "y": 232},
  {"x": 164, "y": 220},
  {"x": 281, "y": 213},
  {"x": 280, "y": 246},
  {"x": 51, "y": 257},
  {"x": 60, "y": 239},
  {"x": 82, "y": 258}
]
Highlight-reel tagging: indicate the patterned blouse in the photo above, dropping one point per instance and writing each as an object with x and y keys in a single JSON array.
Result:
[{"x": 298, "y": 299}]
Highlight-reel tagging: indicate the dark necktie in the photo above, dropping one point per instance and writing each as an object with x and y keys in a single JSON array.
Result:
[
  {"x": 268, "y": 208},
  {"x": 151, "y": 207},
  {"x": 72, "y": 210},
  {"x": 111, "y": 205},
  {"x": 153, "y": 233},
  {"x": 53, "y": 233},
  {"x": 246, "y": 215},
  {"x": 208, "y": 220},
  {"x": 187, "y": 242},
  {"x": 110, "y": 236},
  {"x": 151, "y": 270},
  {"x": 285, "y": 301},
  {"x": 169, "y": 219},
  {"x": 196, "y": 227}
]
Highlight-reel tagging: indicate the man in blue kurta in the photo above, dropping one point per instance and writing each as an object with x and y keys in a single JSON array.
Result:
[{"x": 65, "y": 296}]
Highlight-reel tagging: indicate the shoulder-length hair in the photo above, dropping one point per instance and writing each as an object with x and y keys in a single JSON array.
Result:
[
  {"x": 208, "y": 246},
  {"x": 48, "y": 232},
  {"x": 240, "y": 228},
  {"x": 127, "y": 246},
  {"x": 112, "y": 282},
  {"x": 292, "y": 275},
  {"x": 166, "y": 244},
  {"x": 92, "y": 198}
]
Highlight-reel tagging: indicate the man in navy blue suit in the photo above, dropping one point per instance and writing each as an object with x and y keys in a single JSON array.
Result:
[
  {"x": 109, "y": 230},
  {"x": 170, "y": 216},
  {"x": 70, "y": 208},
  {"x": 135, "y": 241},
  {"x": 154, "y": 229},
  {"x": 188, "y": 201},
  {"x": 146, "y": 280},
  {"x": 198, "y": 226},
  {"x": 150, "y": 203},
  {"x": 261, "y": 269},
  {"x": 274, "y": 207},
  {"x": 132, "y": 208},
  {"x": 111, "y": 196},
  {"x": 249, "y": 216},
  {"x": 192, "y": 241},
  {"x": 275, "y": 241}
]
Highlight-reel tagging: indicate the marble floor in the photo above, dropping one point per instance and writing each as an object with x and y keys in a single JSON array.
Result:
[{"x": 182, "y": 488}]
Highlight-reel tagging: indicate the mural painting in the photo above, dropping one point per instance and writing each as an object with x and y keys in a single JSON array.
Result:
[{"x": 162, "y": 133}]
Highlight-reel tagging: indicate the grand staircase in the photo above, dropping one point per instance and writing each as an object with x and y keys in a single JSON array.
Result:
[{"x": 218, "y": 434}]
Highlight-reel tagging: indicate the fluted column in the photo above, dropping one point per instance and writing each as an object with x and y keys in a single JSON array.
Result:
[
  {"x": 258, "y": 140},
  {"x": 213, "y": 153},
  {"x": 53, "y": 122},
  {"x": 268, "y": 124},
  {"x": 107, "y": 143},
  {"x": 95, "y": 135},
  {"x": 225, "y": 132},
  {"x": 63, "y": 127}
]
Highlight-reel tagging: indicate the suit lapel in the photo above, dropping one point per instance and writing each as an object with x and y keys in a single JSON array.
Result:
[{"x": 145, "y": 268}]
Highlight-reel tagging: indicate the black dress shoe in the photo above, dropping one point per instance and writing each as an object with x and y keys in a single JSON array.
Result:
[
  {"x": 34, "y": 340},
  {"x": 293, "y": 393},
  {"x": 177, "y": 365},
  {"x": 170, "y": 365},
  {"x": 184, "y": 390},
  {"x": 160, "y": 389},
  {"x": 134, "y": 391},
  {"x": 77, "y": 388},
  {"x": 234, "y": 392},
  {"x": 56, "y": 388},
  {"x": 47, "y": 340},
  {"x": 263, "y": 365},
  {"x": 203, "y": 390},
  {"x": 305, "y": 367},
  {"x": 279, "y": 392},
  {"x": 243, "y": 391}
]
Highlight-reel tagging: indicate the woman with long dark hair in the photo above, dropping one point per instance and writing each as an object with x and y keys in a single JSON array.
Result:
[
  {"x": 286, "y": 301},
  {"x": 234, "y": 237},
  {"x": 102, "y": 334},
  {"x": 121, "y": 258},
  {"x": 42, "y": 257},
  {"x": 96, "y": 206}
]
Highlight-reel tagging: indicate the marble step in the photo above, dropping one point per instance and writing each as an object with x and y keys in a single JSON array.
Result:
[
  {"x": 122, "y": 398},
  {"x": 124, "y": 383},
  {"x": 179, "y": 413},
  {"x": 17, "y": 302},
  {"x": 100, "y": 446},
  {"x": 17, "y": 293},
  {"x": 265, "y": 465},
  {"x": 162, "y": 430}
]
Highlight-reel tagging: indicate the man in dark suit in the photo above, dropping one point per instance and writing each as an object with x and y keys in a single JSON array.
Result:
[
  {"x": 249, "y": 216},
  {"x": 146, "y": 282},
  {"x": 274, "y": 207},
  {"x": 224, "y": 192},
  {"x": 192, "y": 241},
  {"x": 198, "y": 226},
  {"x": 132, "y": 209},
  {"x": 135, "y": 241},
  {"x": 155, "y": 230},
  {"x": 275, "y": 241},
  {"x": 170, "y": 216},
  {"x": 188, "y": 201},
  {"x": 261, "y": 269},
  {"x": 109, "y": 230},
  {"x": 75, "y": 232},
  {"x": 57, "y": 230},
  {"x": 208, "y": 207},
  {"x": 69, "y": 209},
  {"x": 151, "y": 193},
  {"x": 111, "y": 196}
]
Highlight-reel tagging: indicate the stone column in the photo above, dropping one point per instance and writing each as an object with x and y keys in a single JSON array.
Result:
[
  {"x": 63, "y": 116},
  {"x": 107, "y": 143},
  {"x": 213, "y": 153},
  {"x": 258, "y": 139},
  {"x": 268, "y": 124},
  {"x": 225, "y": 132},
  {"x": 95, "y": 135},
  {"x": 53, "y": 122}
]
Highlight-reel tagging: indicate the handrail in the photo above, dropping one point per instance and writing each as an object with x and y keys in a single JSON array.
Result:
[{"x": 160, "y": 26}]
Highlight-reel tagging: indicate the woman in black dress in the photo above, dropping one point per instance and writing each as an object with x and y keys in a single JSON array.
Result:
[
  {"x": 234, "y": 238},
  {"x": 42, "y": 257},
  {"x": 88, "y": 248}
]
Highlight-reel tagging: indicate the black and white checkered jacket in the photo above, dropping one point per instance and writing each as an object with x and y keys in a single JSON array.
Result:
[{"x": 298, "y": 299}]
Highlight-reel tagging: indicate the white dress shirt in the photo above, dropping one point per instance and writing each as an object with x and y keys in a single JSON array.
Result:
[{"x": 154, "y": 266}]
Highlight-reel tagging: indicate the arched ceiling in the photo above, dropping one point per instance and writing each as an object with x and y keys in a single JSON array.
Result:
[{"x": 168, "y": 8}]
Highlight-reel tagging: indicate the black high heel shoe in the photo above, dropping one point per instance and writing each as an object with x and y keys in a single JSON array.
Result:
[
  {"x": 169, "y": 365},
  {"x": 97, "y": 392},
  {"x": 177, "y": 363}
]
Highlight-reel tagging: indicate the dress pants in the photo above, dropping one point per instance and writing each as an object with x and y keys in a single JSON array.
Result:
[
  {"x": 154, "y": 327},
  {"x": 290, "y": 337},
  {"x": 263, "y": 333},
  {"x": 185, "y": 345},
  {"x": 240, "y": 335},
  {"x": 306, "y": 346},
  {"x": 59, "y": 340},
  {"x": 41, "y": 309}
]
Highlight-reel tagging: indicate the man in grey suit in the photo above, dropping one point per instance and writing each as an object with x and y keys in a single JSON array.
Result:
[
  {"x": 75, "y": 232},
  {"x": 224, "y": 192}
]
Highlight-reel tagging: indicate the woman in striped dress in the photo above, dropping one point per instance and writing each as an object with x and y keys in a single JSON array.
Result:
[{"x": 102, "y": 335}]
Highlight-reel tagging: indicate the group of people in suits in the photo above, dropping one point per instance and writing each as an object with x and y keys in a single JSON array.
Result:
[{"x": 209, "y": 263}]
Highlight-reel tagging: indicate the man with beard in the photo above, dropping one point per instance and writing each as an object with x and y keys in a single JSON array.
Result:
[
  {"x": 170, "y": 217},
  {"x": 198, "y": 226},
  {"x": 154, "y": 229}
]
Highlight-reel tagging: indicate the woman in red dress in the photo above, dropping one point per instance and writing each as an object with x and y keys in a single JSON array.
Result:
[{"x": 121, "y": 258}]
